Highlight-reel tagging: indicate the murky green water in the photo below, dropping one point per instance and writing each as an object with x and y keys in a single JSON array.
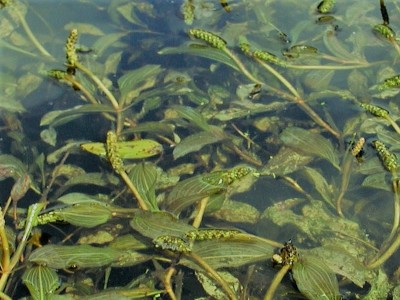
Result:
[{"x": 156, "y": 142}]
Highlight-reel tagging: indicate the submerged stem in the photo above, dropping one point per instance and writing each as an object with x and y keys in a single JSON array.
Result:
[
  {"x": 30, "y": 34},
  {"x": 211, "y": 272},
  {"x": 276, "y": 281}
]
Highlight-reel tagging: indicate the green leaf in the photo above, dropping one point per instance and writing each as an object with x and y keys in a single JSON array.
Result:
[
  {"x": 49, "y": 136},
  {"x": 286, "y": 161},
  {"x": 155, "y": 224},
  {"x": 86, "y": 215},
  {"x": 193, "y": 116},
  {"x": 195, "y": 142},
  {"x": 239, "y": 250},
  {"x": 81, "y": 256},
  {"x": 135, "y": 149},
  {"x": 106, "y": 41},
  {"x": 189, "y": 191},
  {"x": 141, "y": 292},
  {"x": 203, "y": 51},
  {"x": 59, "y": 117},
  {"x": 315, "y": 280},
  {"x": 144, "y": 176},
  {"x": 78, "y": 198},
  {"x": 41, "y": 281},
  {"x": 132, "y": 83},
  {"x": 7, "y": 103},
  {"x": 320, "y": 184},
  {"x": 84, "y": 28},
  {"x": 310, "y": 143}
]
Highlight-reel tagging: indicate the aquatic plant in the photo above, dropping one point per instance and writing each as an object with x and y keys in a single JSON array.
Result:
[{"x": 189, "y": 154}]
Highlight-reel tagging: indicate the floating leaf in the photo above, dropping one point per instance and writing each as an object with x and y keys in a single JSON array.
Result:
[
  {"x": 310, "y": 143},
  {"x": 41, "y": 281},
  {"x": 127, "y": 150},
  {"x": 315, "y": 280},
  {"x": 155, "y": 224},
  {"x": 81, "y": 256},
  {"x": 144, "y": 176}
]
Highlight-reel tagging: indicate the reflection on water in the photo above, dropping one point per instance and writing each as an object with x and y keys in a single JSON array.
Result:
[{"x": 170, "y": 140}]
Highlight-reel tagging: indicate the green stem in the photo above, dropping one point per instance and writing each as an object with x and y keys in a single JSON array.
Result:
[
  {"x": 393, "y": 123},
  {"x": 211, "y": 272},
  {"x": 142, "y": 204},
  {"x": 386, "y": 254},
  {"x": 4, "y": 243},
  {"x": 33, "y": 212},
  {"x": 396, "y": 206},
  {"x": 100, "y": 84},
  {"x": 297, "y": 98},
  {"x": 276, "y": 281},
  {"x": 241, "y": 66},
  {"x": 346, "y": 170},
  {"x": 30, "y": 34},
  {"x": 278, "y": 75}
]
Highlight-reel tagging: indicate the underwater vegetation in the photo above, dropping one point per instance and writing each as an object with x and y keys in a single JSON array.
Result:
[{"x": 234, "y": 150}]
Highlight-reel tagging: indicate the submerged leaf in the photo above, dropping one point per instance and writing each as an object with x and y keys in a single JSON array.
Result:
[
  {"x": 315, "y": 280},
  {"x": 85, "y": 214},
  {"x": 81, "y": 256},
  {"x": 286, "y": 161},
  {"x": 310, "y": 143},
  {"x": 41, "y": 281},
  {"x": 155, "y": 224},
  {"x": 232, "y": 252},
  {"x": 203, "y": 51},
  {"x": 195, "y": 142},
  {"x": 144, "y": 176},
  {"x": 131, "y": 84}
]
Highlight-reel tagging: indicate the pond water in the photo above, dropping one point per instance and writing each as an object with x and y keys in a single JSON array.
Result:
[{"x": 199, "y": 149}]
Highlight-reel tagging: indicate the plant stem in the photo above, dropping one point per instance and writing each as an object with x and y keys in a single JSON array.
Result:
[
  {"x": 30, "y": 34},
  {"x": 386, "y": 254},
  {"x": 297, "y": 98},
  {"x": 275, "y": 283},
  {"x": 100, "y": 84},
  {"x": 33, "y": 212},
  {"x": 211, "y": 272},
  {"x": 167, "y": 282},
  {"x": 201, "y": 207},
  {"x": 346, "y": 170},
  {"x": 396, "y": 205},
  {"x": 5, "y": 261},
  {"x": 142, "y": 204},
  {"x": 393, "y": 123},
  {"x": 241, "y": 66}
]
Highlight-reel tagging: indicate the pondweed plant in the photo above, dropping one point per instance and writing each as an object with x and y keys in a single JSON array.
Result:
[{"x": 269, "y": 149}]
